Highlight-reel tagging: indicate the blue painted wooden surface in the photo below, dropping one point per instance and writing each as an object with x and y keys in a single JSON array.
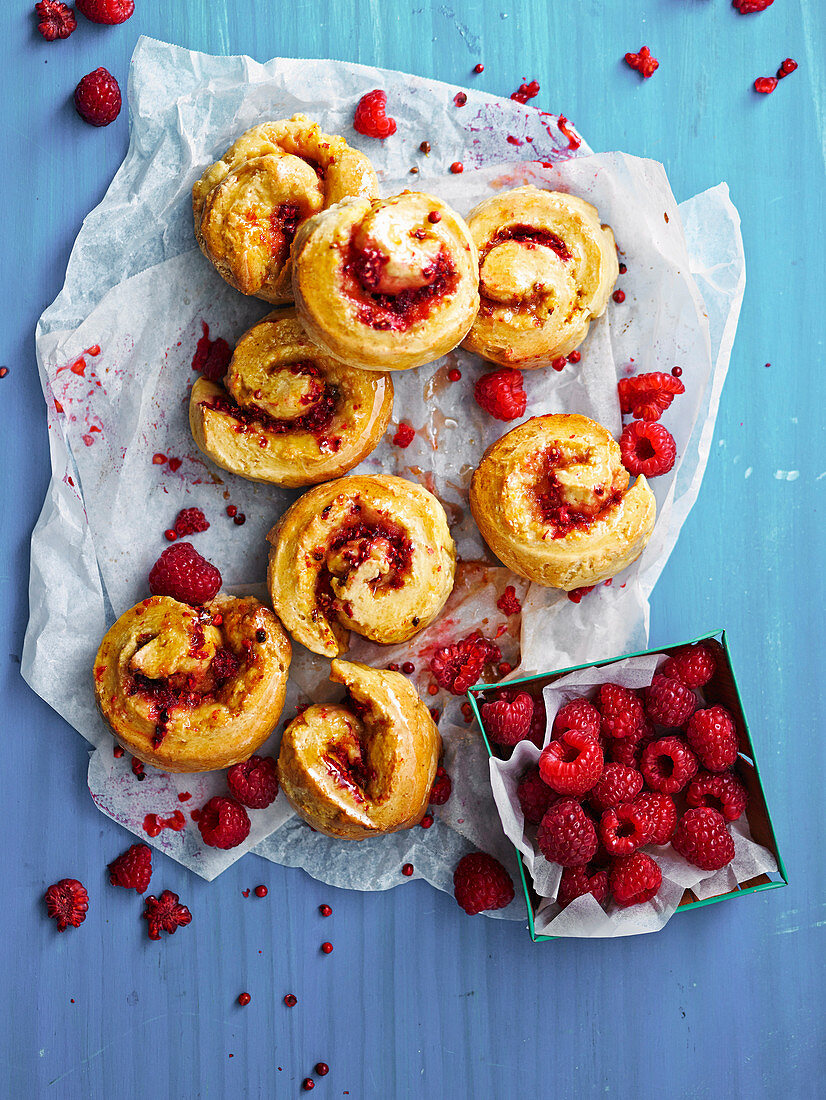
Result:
[{"x": 417, "y": 999}]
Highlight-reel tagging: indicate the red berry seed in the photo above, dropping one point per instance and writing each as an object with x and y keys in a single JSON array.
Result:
[
  {"x": 408, "y": 667},
  {"x": 322, "y": 1069},
  {"x": 170, "y": 535},
  {"x": 788, "y": 66},
  {"x": 454, "y": 375},
  {"x": 457, "y": 167},
  {"x": 622, "y": 269},
  {"x": 232, "y": 510},
  {"x": 618, "y": 296},
  {"x": 260, "y": 891},
  {"x": 574, "y": 356},
  {"x": 479, "y": 67},
  {"x": 244, "y": 999},
  {"x": 290, "y": 1000},
  {"x": 560, "y": 363},
  {"x": 407, "y": 870},
  {"x": 460, "y": 99},
  {"x": 327, "y": 947},
  {"x": 325, "y": 910},
  {"x": 426, "y": 821},
  {"x": 308, "y": 1084},
  {"x": 240, "y": 520}
]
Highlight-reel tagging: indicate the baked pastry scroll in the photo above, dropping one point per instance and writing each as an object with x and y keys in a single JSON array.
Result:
[
  {"x": 192, "y": 689},
  {"x": 371, "y": 554},
  {"x": 386, "y": 284},
  {"x": 365, "y": 766},
  {"x": 248, "y": 204},
  {"x": 546, "y": 269},
  {"x": 553, "y": 502},
  {"x": 287, "y": 413}
]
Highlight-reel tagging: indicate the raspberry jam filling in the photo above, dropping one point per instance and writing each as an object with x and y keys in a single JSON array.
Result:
[
  {"x": 353, "y": 544},
  {"x": 278, "y": 230},
  {"x": 531, "y": 237},
  {"x": 354, "y": 775},
  {"x": 395, "y": 312},
  {"x": 554, "y": 510}
]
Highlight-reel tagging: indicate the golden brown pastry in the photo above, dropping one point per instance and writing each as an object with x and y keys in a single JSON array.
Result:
[
  {"x": 552, "y": 501},
  {"x": 363, "y": 767},
  {"x": 369, "y": 554},
  {"x": 386, "y": 284},
  {"x": 287, "y": 413},
  {"x": 546, "y": 269},
  {"x": 191, "y": 689},
  {"x": 248, "y": 204}
]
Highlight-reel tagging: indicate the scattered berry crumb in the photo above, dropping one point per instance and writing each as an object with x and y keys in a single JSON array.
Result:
[
  {"x": 786, "y": 67},
  {"x": 508, "y": 603},
  {"x": 325, "y": 910},
  {"x": 244, "y": 999},
  {"x": 190, "y": 521},
  {"x": 407, "y": 870},
  {"x": 765, "y": 85},
  {"x": 165, "y": 914},
  {"x": 404, "y": 436},
  {"x": 526, "y": 91},
  {"x": 291, "y": 1000},
  {"x": 643, "y": 62},
  {"x": 308, "y": 1084}
]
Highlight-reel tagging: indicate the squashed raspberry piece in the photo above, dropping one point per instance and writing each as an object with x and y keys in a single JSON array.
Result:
[
  {"x": 508, "y": 718},
  {"x": 668, "y": 764},
  {"x": 404, "y": 436},
  {"x": 578, "y": 714},
  {"x": 566, "y": 834},
  {"x": 106, "y": 11},
  {"x": 786, "y": 67},
  {"x": 624, "y": 829},
  {"x": 622, "y": 713},
  {"x": 132, "y": 869},
  {"x": 647, "y": 448},
  {"x": 634, "y": 879},
  {"x": 647, "y": 396},
  {"x": 660, "y": 810},
  {"x": 371, "y": 118},
  {"x": 67, "y": 902},
  {"x": 181, "y": 572},
  {"x": 456, "y": 667},
  {"x": 481, "y": 883},
  {"x": 719, "y": 792},
  {"x": 55, "y": 20},
  {"x": 643, "y": 62},
  {"x": 212, "y": 357},
  {"x": 165, "y": 914},
  {"x": 573, "y": 764},
  {"x": 749, "y": 7},
  {"x": 765, "y": 85},
  {"x": 713, "y": 736},
  {"x": 693, "y": 665},
  {"x": 535, "y": 796},
  {"x": 702, "y": 838},
  {"x": 669, "y": 702},
  {"x": 223, "y": 823},
  {"x": 508, "y": 603},
  {"x": 254, "y": 782},
  {"x": 525, "y": 92},
  {"x": 617, "y": 784},
  {"x": 501, "y": 395},
  {"x": 442, "y": 786},
  {"x": 97, "y": 98},
  {"x": 224, "y": 666},
  {"x": 575, "y": 882},
  {"x": 190, "y": 521}
]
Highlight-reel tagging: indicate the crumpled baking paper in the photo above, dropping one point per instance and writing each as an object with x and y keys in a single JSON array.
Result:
[{"x": 138, "y": 289}]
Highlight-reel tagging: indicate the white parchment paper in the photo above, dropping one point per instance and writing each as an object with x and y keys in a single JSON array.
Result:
[{"x": 139, "y": 290}]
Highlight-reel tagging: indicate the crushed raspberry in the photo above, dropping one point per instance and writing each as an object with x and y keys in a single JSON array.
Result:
[
  {"x": 634, "y": 879},
  {"x": 525, "y": 92},
  {"x": 371, "y": 118},
  {"x": 508, "y": 603},
  {"x": 566, "y": 834},
  {"x": 481, "y": 883},
  {"x": 718, "y": 792},
  {"x": 456, "y": 667},
  {"x": 625, "y": 828},
  {"x": 181, "y": 572},
  {"x": 573, "y": 764},
  {"x": 693, "y": 665},
  {"x": 622, "y": 713},
  {"x": 786, "y": 67},
  {"x": 617, "y": 784},
  {"x": 660, "y": 810},
  {"x": 575, "y": 883},
  {"x": 643, "y": 62},
  {"x": 749, "y": 7},
  {"x": 254, "y": 782},
  {"x": 225, "y": 666},
  {"x": 702, "y": 837},
  {"x": 668, "y": 701},
  {"x": 109, "y": 12},
  {"x": 647, "y": 448},
  {"x": 97, "y": 98},
  {"x": 190, "y": 521},
  {"x": 404, "y": 436},
  {"x": 668, "y": 764},
  {"x": 165, "y": 914},
  {"x": 507, "y": 718},
  {"x": 67, "y": 902},
  {"x": 713, "y": 736},
  {"x": 578, "y": 714},
  {"x": 55, "y": 20},
  {"x": 647, "y": 396},
  {"x": 211, "y": 357},
  {"x": 576, "y": 594},
  {"x": 132, "y": 869},
  {"x": 223, "y": 823},
  {"x": 501, "y": 395},
  {"x": 442, "y": 786},
  {"x": 535, "y": 796},
  {"x": 765, "y": 85}
]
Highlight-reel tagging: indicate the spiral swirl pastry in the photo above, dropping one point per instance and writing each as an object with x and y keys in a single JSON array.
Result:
[
  {"x": 546, "y": 269},
  {"x": 552, "y": 501},
  {"x": 191, "y": 689},
  {"x": 368, "y": 554},
  {"x": 363, "y": 767},
  {"x": 248, "y": 204},
  {"x": 386, "y": 284},
  {"x": 287, "y": 413}
]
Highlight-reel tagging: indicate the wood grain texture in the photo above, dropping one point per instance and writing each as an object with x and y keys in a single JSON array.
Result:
[{"x": 418, "y": 1000}]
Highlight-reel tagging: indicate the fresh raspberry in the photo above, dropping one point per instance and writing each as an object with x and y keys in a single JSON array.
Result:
[
  {"x": 442, "y": 786},
  {"x": 55, "y": 20},
  {"x": 456, "y": 667},
  {"x": 190, "y": 521},
  {"x": 480, "y": 883},
  {"x": 535, "y": 796},
  {"x": 508, "y": 603},
  {"x": 539, "y": 722},
  {"x": 668, "y": 764},
  {"x": 643, "y": 62},
  {"x": 624, "y": 829},
  {"x": 224, "y": 823},
  {"x": 67, "y": 902},
  {"x": 566, "y": 834},
  {"x": 765, "y": 85},
  {"x": 165, "y": 914},
  {"x": 578, "y": 714},
  {"x": 622, "y": 713},
  {"x": 573, "y": 764},
  {"x": 371, "y": 117},
  {"x": 647, "y": 396},
  {"x": 254, "y": 782},
  {"x": 702, "y": 838},
  {"x": 508, "y": 718},
  {"x": 713, "y": 736},
  {"x": 182, "y": 573},
  {"x": 106, "y": 11},
  {"x": 693, "y": 665},
  {"x": 634, "y": 879},
  {"x": 647, "y": 448},
  {"x": 500, "y": 394},
  {"x": 749, "y": 7},
  {"x": 132, "y": 869},
  {"x": 212, "y": 358},
  {"x": 625, "y": 750},
  {"x": 719, "y": 792},
  {"x": 404, "y": 436},
  {"x": 97, "y": 98},
  {"x": 660, "y": 810},
  {"x": 224, "y": 666},
  {"x": 616, "y": 785},
  {"x": 575, "y": 882},
  {"x": 669, "y": 702}
]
